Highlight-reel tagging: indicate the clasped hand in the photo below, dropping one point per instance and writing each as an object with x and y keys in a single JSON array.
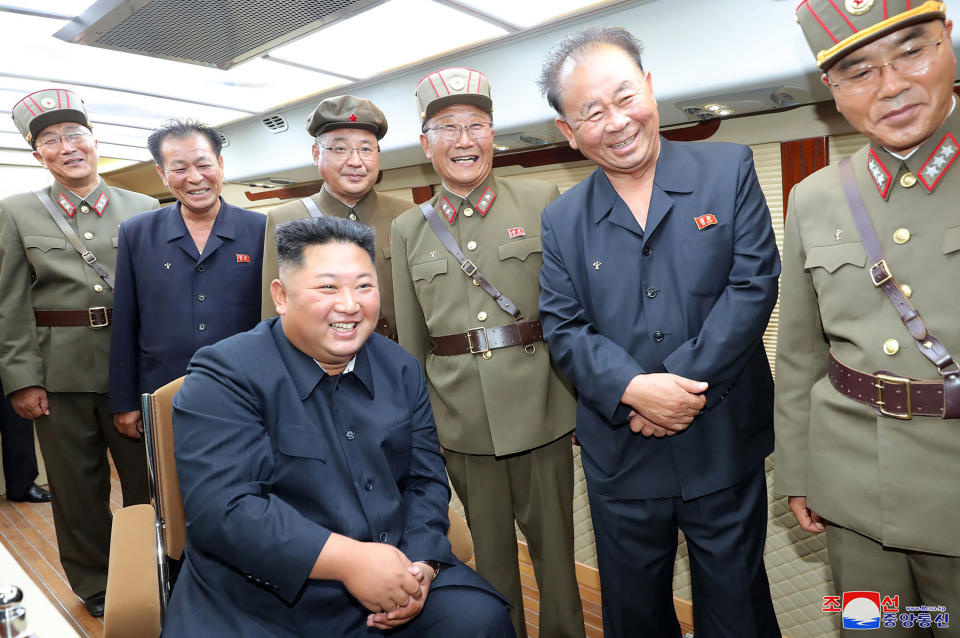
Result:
[{"x": 662, "y": 403}]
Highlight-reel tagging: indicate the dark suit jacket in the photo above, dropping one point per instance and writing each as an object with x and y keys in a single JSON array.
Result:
[
  {"x": 170, "y": 300},
  {"x": 618, "y": 301},
  {"x": 273, "y": 455}
]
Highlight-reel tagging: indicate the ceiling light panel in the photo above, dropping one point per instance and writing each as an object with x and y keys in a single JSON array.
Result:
[
  {"x": 64, "y": 7},
  {"x": 529, "y": 14},
  {"x": 388, "y": 36}
]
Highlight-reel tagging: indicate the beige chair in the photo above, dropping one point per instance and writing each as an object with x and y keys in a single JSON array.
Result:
[{"x": 145, "y": 538}]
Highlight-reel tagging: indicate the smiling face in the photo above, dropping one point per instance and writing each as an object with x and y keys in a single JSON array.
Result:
[
  {"x": 330, "y": 303},
  {"x": 609, "y": 112},
  {"x": 350, "y": 177},
  {"x": 72, "y": 163},
  {"x": 464, "y": 162},
  {"x": 904, "y": 110},
  {"x": 192, "y": 173}
]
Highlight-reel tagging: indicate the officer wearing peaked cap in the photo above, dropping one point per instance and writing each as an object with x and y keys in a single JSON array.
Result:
[
  {"x": 56, "y": 313},
  {"x": 346, "y": 131},
  {"x": 503, "y": 414},
  {"x": 862, "y": 450}
]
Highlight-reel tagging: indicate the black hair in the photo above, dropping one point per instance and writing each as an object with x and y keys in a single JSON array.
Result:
[
  {"x": 295, "y": 236},
  {"x": 180, "y": 129}
]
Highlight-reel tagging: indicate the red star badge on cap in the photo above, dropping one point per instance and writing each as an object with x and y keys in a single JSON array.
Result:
[{"x": 353, "y": 117}]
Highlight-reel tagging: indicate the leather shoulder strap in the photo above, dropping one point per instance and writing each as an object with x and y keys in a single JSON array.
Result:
[
  {"x": 71, "y": 236},
  {"x": 312, "y": 207},
  {"x": 467, "y": 266}
]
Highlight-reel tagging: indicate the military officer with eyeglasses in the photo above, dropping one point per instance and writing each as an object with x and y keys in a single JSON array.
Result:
[
  {"x": 56, "y": 313},
  {"x": 865, "y": 452},
  {"x": 346, "y": 131},
  {"x": 503, "y": 414}
]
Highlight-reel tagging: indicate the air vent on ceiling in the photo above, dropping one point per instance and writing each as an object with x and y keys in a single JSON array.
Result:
[
  {"x": 274, "y": 123},
  {"x": 206, "y": 32}
]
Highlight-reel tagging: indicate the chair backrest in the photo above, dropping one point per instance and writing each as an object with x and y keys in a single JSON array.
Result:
[{"x": 162, "y": 465}]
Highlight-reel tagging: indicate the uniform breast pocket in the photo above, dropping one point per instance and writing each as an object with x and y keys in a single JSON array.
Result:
[
  {"x": 386, "y": 252},
  {"x": 302, "y": 442},
  {"x": 44, "y": 244},
  {"x": 397, "y": 439},
  {"x": 46, "y": 256},
  {"x": 520, "y": 248},
  {"x": 426, "y": 272},
  {"x": 951, "y": 240},
  {"x": 830, "y": 259},
  {"x": 709, "y": 257}
]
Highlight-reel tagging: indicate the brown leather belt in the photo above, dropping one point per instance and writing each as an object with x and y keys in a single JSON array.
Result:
[
  {"x": 480, "y": 340},
  {"x": 892, "y": 396},
  {"x": 96, "y": 317}
]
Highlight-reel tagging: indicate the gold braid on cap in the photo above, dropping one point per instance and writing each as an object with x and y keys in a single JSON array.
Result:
[{"x": 930, "y": 6}]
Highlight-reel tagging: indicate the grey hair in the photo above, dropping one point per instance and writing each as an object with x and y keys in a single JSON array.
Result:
[
  {"x": 295, "y": 236},
  {"x": 180, "y": 129},
  {"x": 572, "y": 46}
]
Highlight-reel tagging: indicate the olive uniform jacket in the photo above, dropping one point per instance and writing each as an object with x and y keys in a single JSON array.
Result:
[
  {"x": 897, "y": 481},
  {"x": 374, "y": 210},
  {"x": 513, "y": 401},
  {"x": 39, "y": 269}
]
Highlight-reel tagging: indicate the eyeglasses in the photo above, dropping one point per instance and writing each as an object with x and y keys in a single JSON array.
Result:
[
  {"x": 51, "y": 140},
  {"x": 476, "y": 130},
  {"x": 343, "y": 151},
  {"x": 912, "y": 59}
]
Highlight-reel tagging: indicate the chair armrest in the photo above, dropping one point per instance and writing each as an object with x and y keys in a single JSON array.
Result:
[{"x": 133, "y": 591}]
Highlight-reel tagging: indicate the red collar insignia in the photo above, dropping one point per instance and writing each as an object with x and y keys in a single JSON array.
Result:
[
  {"x": 879, "y": 173},
  {"x": 939, "y": 161},
  {"x": 101, "y": 204},
  {"x": 486, "y": 200},
  {"x": 447, "y": 209},
  {"x": 65, "y": 204}
]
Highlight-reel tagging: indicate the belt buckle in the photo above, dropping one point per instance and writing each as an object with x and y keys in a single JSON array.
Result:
[
  {"x": 97, "y": 317},
  {"x": 477, "y": 331},
  {"x": 887, "y": 378},
  {"x": 880, "y": 274},
  {"x": 468, "y": 267}
]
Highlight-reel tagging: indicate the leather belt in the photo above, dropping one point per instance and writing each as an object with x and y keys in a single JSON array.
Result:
[
  {"x": 893, "y": 396},
  {"x": 96, "y": 317},
  {"x": 480, "y": 340}
]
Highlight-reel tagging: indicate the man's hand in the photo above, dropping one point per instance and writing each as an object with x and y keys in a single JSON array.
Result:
[
  {"x": 405, "y": 613},
  {"x": 376, "y": 574},
  {"x": 664, "y": 400},
  {"x": 807, "y": 518},
  {"x": 31, "y": 402},
  {"x": 646, "y": 428},
  {"x": 128, "y": 423}
]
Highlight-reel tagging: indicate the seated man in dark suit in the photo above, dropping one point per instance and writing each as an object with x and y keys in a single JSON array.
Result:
[{"x": 312, "y": 478}]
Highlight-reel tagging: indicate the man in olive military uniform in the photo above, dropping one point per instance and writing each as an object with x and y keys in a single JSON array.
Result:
[
  {"x": 502, "y": 412},
  {"x": 346, "y": 132},
  {"x": 56, "y": 312},
  {"x": 863, "y": 450}
]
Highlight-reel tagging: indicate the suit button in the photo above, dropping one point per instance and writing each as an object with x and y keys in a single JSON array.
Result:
[
  {"x": 202, "y": 326},
  {"x": 98, "y": 288},
  {"x": 901, "y": 236},
  {"x": 482, "y": 316},
  {"x": 907, "y": 180},
  {"x": 88, "y": 235},
  {"x": 907, "y": 290},
  {"x": 201, "y": 297},
  {"x": 383, "y": 537},
  {"x": 468, "y": 212},
  {"x": 84, "y": 209},
  {"x": 658, "y": 336},
  {"x": 368, "y": 486},
  {"x": 353, "y": 216},
  {"x": 201, "y": 268},
  {"x": 350, "y": 434},
  {"x": 652, "y": 292},
  {"x": 471, "y": 245},
  {"x": 646, "y": 251},
  {"x": 891, "y": 347}
]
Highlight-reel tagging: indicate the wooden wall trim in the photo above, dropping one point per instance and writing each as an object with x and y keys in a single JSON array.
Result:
[
  {"x": 421, "y": 194},
  {"x": 800, "y": 158}
]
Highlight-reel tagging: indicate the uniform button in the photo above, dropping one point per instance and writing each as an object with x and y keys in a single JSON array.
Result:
[
  {"x": 891, "y": 346},
  {"x": 467, "y": 212},
  {"x": 652, "y": 292},
  {"x": 368, "y": 486},
  {"x": 658, "y": 336},
  {"x": 88, "y": 235},
  {"x": 907, "y": 290},
  {"x": 98, "y": 288},
  {"x": 482, "y": 316},
  {"x": 907, "y": 180},
  {"x": 202, "y": 326},
  {"x": 353, "y": 216},
  {"x": 201, "y": 268},
  {"x": 350, "y": 434},
  {"x": 201, "y": 297},
  {"x": 646, "y": 251},
  {"x": 476, "y": 283},
  {"x": 487, "y": 354},
  {"x": 471, "y": 245},
  {"x": 84, "y": 209},
  {"x": 383, "y": 537},
  {"x": 901, "y": 235}
]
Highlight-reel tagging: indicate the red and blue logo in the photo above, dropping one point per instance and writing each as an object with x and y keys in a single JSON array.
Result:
[{"x": 861, "y": 610}]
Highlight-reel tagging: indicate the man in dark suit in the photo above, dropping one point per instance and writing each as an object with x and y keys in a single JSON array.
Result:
[
  {"x": 18, "y": 456},
  {"x": 659, "y": 275},
  {"x": 188, "y": 275},
  {"x": 312, "y": 478}
]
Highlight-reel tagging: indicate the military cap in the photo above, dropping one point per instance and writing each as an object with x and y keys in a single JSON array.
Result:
[
  {"x": 347, "y": 111},
  {"x": 834, "y": 28},
  {"x": 453, "y": 85},
  {"x": 40, "y": 109}
]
